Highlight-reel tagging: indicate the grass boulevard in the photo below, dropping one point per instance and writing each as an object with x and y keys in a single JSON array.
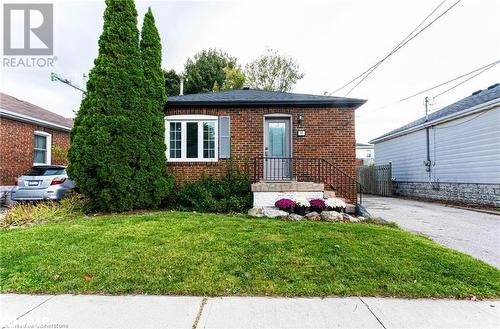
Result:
[{"x": 184, "y": 253}]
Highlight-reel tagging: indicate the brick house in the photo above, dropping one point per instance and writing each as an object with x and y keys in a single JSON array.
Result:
[
  {"x": 29, "y": 135},
  {"x": 291, "y": 144}
]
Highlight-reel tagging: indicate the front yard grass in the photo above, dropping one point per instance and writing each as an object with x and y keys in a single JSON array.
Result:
[{"x": 205, "y": 254}]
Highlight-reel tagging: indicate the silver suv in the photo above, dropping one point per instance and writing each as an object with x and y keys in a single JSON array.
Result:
[{"x": 42, "y": 183}]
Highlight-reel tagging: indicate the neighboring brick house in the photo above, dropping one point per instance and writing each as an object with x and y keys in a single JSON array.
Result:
[
  {"x": 29, "y": 135},
  {"x": 276, "y": 136}
]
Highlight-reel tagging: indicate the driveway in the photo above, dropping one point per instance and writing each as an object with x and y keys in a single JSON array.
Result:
[{"x": 471, "y": 232}]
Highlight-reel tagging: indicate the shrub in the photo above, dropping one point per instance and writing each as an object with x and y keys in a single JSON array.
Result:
[
  {"x": 72, "y": 205},
  {"x": 285, "y": 204},
  {"x": 317, "y": 205},
  {"x": 230, "y": 193}
]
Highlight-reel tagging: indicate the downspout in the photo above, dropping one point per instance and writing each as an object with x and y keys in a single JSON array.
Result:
[{"x": 427, "y": 162}]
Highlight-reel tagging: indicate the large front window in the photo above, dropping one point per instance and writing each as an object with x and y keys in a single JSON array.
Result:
[{"x": 191, "y": 138}]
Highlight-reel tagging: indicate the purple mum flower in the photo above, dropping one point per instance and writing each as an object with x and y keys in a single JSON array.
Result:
[
  {"x": 318, "y": 204},
  {"x": 285, "y": 204}
]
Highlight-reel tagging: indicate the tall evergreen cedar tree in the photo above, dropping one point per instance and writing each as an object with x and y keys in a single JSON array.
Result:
[
  {"x": 150, "y": 47},
  {"x": 109, "y": 157}
]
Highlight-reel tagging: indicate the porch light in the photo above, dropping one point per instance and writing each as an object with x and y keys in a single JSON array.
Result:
[{"x": 299, "y": 119}]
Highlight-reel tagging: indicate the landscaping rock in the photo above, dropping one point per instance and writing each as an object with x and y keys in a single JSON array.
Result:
[
  {"x": 361, "y": 211},
  {"x": 313, "y": 216},
  {"x": 272, "y": 212},
  {"x": 350, "y": 208},
  {"x": 256, "y": 212},
  {"x": 349, "y": 218},
  {"x": 331, "y": 216},
  {"x": 295, "y": 217}
]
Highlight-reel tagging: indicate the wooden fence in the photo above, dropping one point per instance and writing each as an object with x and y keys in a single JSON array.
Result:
[{"x": 376, "y": 179}]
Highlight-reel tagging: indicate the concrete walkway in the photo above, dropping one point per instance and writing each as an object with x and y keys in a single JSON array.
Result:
[
  {"x": 94, "y": 311},
  {"x": 471, "y": 232}
]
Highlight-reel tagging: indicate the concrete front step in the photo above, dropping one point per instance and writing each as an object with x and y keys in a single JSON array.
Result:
[
  {"x": 265, "y": 193},
  {"x": 329, "y": 194},
  {"x": 288, "y": 186}
]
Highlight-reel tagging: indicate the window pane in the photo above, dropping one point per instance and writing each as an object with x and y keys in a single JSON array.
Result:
[
  {"x": 39, "y": 156},
  {"x": 40, "y": 142},
  {"x": 208, "y": 140},
  {"x": 175, "y": 140},
  {"x": 192, "y": 139},
  {"x": 276, "y": 139}
]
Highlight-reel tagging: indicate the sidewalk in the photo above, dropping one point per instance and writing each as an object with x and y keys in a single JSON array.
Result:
[{"x": 95, "y": 311}]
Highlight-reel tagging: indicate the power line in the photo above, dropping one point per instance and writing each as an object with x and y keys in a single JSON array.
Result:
[
  {"x": 462, "y": 82},
  {"x": 403, "y": 43},
  {"x": 482, "y": 69},
  {"x": 392, "y": 51},
  {"x": 445, "y": 83},
  {"x": 399, "y": 44}
]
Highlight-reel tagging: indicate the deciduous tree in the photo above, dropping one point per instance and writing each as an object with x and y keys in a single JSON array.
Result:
[
  {"x": 172, "y": 82},
  {"x": 207, "y": 68},
  {"x": 273, "y": 71},
  {"x": 234, "y": 79}
]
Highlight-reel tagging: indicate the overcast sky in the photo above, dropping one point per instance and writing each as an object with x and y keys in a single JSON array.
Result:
[{"x": 332, "y": 40}]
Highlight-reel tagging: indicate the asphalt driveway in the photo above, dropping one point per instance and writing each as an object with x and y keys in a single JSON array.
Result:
[{"x": 471, "y": 232}]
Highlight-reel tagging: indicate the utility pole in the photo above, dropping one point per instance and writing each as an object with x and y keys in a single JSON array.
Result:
[{"x": 55, "y": 77}]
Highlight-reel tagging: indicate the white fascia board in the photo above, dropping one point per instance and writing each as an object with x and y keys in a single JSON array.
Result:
[
  {"x": 475, "y": 109},
  {"x": 25, "y": 118}
]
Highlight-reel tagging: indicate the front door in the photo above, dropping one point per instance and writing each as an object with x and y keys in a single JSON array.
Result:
[{"x": 278, "y": 152}]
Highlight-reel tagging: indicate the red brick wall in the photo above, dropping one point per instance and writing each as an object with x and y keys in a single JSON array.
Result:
[
  {"x": 329, "y": 135},
  {"x": 16, "y": 148}
]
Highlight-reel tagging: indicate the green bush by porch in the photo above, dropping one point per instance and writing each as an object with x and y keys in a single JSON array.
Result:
[{"x": 206, "y": 254}]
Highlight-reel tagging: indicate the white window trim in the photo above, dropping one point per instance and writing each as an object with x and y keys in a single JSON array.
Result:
[
  {"x": 200, "y": 119},
  {"x": 48, "y": 158}
]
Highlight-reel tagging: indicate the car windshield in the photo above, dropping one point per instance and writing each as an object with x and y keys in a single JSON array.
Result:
[{"x": 41, "y": 171}]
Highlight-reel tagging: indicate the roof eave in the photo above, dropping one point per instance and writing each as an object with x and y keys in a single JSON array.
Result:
[
  {"x": 354, "y": 104},
  {"x": 24, "y": 118},
  {"x": 478, "y": 108}
]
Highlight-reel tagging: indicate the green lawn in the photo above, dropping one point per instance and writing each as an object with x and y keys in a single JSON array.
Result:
[{"x": 203, "y": 254}]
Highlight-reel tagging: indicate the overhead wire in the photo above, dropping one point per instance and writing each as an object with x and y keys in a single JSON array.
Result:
[
  {"x": 481, "y": 70},
  {"x": 401, "y": 45}
]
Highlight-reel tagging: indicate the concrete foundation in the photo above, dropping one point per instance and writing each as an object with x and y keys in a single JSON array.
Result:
[
  {"x": 265, "y": 194},
  {"x": 487, "y": 194}
]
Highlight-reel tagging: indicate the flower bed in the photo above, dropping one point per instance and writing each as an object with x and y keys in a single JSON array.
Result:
[{"x": 302, "y": 206}]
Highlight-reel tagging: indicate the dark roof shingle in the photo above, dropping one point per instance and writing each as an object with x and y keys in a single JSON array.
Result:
[
  {"x": 254, "y": 97},
  {"x": 23, "y": 108},
  {"x": 477, "y": 98}
]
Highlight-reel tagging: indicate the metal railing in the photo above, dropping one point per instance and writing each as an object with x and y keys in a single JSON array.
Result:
[{"x": 307, "y": 169}]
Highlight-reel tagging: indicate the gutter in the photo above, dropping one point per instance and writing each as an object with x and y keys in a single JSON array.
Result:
[
  {"x": 184, "y": 104},
  {"x": 475, "y": 109},
  {"x": 28, "y": 119}
]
